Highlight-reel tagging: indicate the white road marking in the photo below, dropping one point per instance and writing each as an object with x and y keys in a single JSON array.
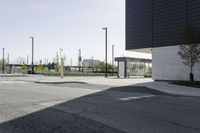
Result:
[{"x": 134, "y": 97}]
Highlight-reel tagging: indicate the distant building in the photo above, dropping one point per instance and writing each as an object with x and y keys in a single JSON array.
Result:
[
  {"x": 128, "y": 66},
  {"x": 14, "y": 68},
  {"x": 90, "y": 62}
]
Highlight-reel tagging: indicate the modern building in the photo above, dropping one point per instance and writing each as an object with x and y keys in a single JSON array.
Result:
[
  {"x": 90, "y": 62},
  {"x": 129, "y": 67},
  {"x": 159, "y": 27}
]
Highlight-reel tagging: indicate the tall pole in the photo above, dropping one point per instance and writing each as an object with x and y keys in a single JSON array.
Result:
[
  {"x": 113, "y": 55},
  {"x": 27, "y": 59},
  {"x": 106, "y": 50},
  {"x": 62, "y": 67},
  {"x": 57, "y": 58},
  {"x": 113, "y": 60},
  {"x": 32, "y": 64},
  {"x": 3, "y": 67},
  {"x": 8, "y": 58},
  {"x": 61, "y": 50},
  {"x": 92, "y": 62},
  {"x": 79, "y": 60}
]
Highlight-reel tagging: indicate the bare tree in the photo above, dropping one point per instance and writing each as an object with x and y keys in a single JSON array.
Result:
[{"x": 190, "y": 53}]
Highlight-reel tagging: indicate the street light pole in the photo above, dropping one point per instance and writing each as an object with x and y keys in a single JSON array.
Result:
[
  {"x": 106, "y": 51},
  {"x": 92, "y": 62},
  {"x": 27, "y": 62},
  {"x": 27, "y": 59},
  {"x": 113, "y": 60},
  {"x": 113, "y": 54},
  {"x": 79, "y": 60},
  {"x": 3, "y": 67},
  {"x": 32, "y": 64}
]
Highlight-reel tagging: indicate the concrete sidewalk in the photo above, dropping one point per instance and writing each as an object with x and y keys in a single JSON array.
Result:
[
  {"x": 111, "y": 81},
  {"x": 172, "y": 89}
]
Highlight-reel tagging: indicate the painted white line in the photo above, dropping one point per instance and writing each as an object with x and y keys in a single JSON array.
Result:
[{"x": 134, "y": 97}]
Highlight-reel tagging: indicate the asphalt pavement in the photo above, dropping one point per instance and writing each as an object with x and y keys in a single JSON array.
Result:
[{"x": 28, "y": 107}]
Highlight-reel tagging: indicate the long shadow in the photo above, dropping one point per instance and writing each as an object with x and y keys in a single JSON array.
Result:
[
  {"x": 68, "y": 117},
  {"x": 138, "y": 89}
]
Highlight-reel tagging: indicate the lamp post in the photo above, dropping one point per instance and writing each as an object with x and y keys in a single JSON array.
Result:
[
  {"x": 27, "y": 58},
  {"x": 92, "y": 64},
  {"x": 92, "y": 61},
  {"x": 8, "y": 58},
  {"x": 79, "y": 60},
  {"x": 32, "y": 64},
  {"x": 3, "y": 67},
  {"x": 106, "y": 51},
  {"x": 113, "y": 60},
  {"x": 113, "y": 55}
]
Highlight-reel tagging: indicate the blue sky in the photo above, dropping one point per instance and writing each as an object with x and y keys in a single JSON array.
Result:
[{"x": 67, "y": 24}]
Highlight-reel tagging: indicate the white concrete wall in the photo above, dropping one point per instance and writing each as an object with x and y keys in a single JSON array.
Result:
[
  {"x": 121, "y": 69},
  {"x": 167, "y": 65}
]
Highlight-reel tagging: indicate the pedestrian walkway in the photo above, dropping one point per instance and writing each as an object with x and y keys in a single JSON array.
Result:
[
  {"x": 111, "y": 81},
  {"x": 172, "y": 89}
]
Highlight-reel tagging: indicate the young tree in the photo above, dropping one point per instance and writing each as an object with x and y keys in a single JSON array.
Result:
[{"x": 190, "y": 53}]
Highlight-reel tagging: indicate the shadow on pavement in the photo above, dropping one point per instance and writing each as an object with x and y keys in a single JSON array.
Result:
[
  {"x": 138, "y": 89},
  {"x": 76, "y": 116}
]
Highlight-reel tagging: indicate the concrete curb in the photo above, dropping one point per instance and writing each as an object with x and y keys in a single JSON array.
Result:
[
  {"x": 59, "y": 82},
  {"x": 175, "y": 90},
  {"x": 13, "y": 75}
]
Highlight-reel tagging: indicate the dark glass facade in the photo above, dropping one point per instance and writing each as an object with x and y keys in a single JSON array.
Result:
[{"x": 157, "y": 23}]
